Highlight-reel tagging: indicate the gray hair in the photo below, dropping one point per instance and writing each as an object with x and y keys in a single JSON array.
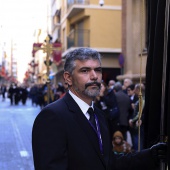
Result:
[
  {"x": 80, "y": 54},
  {"x": 118, "y": 86},
  {"x": 142, "y": 86}
]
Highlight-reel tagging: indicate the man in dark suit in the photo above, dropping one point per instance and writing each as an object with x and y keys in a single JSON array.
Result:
[
  {"x": 125, "y": 109},
  {"x": 3, "y": 91},
  {"x": 67, "y": 135}
]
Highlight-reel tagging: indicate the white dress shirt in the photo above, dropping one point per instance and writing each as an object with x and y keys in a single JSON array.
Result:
[{"x": 83, "y": 106}]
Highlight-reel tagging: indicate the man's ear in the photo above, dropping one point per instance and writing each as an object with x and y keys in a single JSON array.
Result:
[{"x": 68, "y": 78}]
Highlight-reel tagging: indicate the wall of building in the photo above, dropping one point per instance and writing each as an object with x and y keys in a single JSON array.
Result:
[
  {"x": 104, "y": 25},
  {"x": 110, "y": 60},
  {"x": 105, "y": 28},
  {"x": 133, "y": 32}
]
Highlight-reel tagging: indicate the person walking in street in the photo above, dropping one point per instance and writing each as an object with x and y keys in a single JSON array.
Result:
[
  {"x": 71, "y": 133},
  {"x": 17, "y": 94},
  {"x": 24, "y": 94},
  {"x": 11, "y": 94},
  {"x": 3, "y": 91},
  {"x": 33, "y": 95}
]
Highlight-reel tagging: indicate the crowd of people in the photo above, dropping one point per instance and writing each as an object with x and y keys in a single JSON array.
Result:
[
  {"x": 123, "y": 97},
  {"x": 114, "y": 95},
  {"x": 120, "y": 104},
  {"x": 37, "y": 93}
]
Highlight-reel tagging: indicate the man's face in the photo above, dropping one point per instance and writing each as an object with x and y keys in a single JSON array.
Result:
[
  {"x": 111, "y": 84},
  {"x": 117, "y": 140},
  {"x": 137, "y": 91},
  {"x": 86, "y": 79},
  {"x": 130, "y": 92},
  {"x": 126, "y": 83}
]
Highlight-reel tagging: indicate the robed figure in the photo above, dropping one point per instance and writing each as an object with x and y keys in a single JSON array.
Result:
[{"x": 157, "y": 105}]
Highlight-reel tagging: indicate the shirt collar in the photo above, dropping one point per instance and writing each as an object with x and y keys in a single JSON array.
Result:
[{"x": 83, "y": 105}]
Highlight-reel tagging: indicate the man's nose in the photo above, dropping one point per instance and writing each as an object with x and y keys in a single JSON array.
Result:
[{"x": 93, "y": 75}]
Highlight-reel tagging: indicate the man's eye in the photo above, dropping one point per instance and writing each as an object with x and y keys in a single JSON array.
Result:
[{"x": 84, "y": 71}]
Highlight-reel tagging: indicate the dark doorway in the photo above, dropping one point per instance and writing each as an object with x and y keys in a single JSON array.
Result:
[{"x": 110, "y": 74}]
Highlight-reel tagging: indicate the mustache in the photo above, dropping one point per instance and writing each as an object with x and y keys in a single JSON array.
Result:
[{"x": 93, "y": 83}]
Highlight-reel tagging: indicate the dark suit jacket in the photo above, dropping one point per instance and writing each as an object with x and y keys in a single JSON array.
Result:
[
  {"x": 62, "y": 138},
  {"x": 125, "y": 108}
]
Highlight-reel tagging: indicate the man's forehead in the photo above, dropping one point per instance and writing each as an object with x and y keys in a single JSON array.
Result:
[{"x": 88, "y": 63}]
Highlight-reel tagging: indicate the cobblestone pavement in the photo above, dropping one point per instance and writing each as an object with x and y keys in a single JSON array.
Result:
[{"x": 15, "y": 135}]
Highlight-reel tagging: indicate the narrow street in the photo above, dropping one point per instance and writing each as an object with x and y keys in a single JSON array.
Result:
[{"x": 15, "y": 135}]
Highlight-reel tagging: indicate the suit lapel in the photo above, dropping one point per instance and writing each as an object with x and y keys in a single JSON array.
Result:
[
  {"x": 105, "y": 134},
  {"x": 84, "y": 124}
]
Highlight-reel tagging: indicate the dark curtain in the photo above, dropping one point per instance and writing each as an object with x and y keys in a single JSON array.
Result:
[{"x": 154, "y": 70}]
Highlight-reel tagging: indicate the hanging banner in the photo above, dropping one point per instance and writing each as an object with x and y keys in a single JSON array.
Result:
[
  {"x": 121, "y": 60},
  {"x": 2, "y": 72},
  {"x": 57, "y": 50},
  {"x": 36, "y": 47}
]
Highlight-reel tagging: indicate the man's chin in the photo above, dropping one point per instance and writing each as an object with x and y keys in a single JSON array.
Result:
[{"x": 92, "y": 92}]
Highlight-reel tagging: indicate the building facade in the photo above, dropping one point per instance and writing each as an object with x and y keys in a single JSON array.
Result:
[
  {"x": 8, "y": 61},
  {"x": 134, "y": 43},
  {"x": 117, "y": 29},
  {"x": 85, "y": 23}
]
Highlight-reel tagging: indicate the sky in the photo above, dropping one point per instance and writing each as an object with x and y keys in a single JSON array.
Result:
[{"x": 20, "y": 18}]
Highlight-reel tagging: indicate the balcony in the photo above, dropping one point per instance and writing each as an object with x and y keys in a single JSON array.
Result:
[
  {"x": 78, "y": 38},
  {"x": 76, "y": 6}
]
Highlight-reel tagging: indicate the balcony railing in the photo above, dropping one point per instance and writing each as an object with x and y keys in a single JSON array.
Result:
[
  {"x": 78, "y": 38},
  {"x": 77, "y": 2}
]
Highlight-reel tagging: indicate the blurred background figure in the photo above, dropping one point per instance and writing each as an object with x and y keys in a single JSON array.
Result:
[
  {"x": 60, "y": 90},
  {"x": 45, "y": 94},
  {"x": 111, "y": 84},
  {"x": 100, "y": 101},
  {"x": 3, "y": 90},
  {"x": 120, "y": 146},
  {"x": 11, "y": 94},
  {"x": 33, "y": 94},
  {"x": 127, "y": 82},
  {"x": 24, "y": 94},
  {"x": 106, "y": 101},
  {"x": 40, "y": 96},
  {"x": 17, "y": 94},
  {"x": 134, "y": 123},
  {"x": 132, "y": 95},
  {"x": 125, "y": 108}
]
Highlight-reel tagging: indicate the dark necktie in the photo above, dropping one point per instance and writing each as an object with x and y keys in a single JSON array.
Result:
[
  {"x": 93, "y": 122},
  {"x": 92, "y": 117}
]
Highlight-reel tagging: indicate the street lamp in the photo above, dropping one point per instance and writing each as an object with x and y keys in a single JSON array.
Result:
[{"x": 101, "y": 2}]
